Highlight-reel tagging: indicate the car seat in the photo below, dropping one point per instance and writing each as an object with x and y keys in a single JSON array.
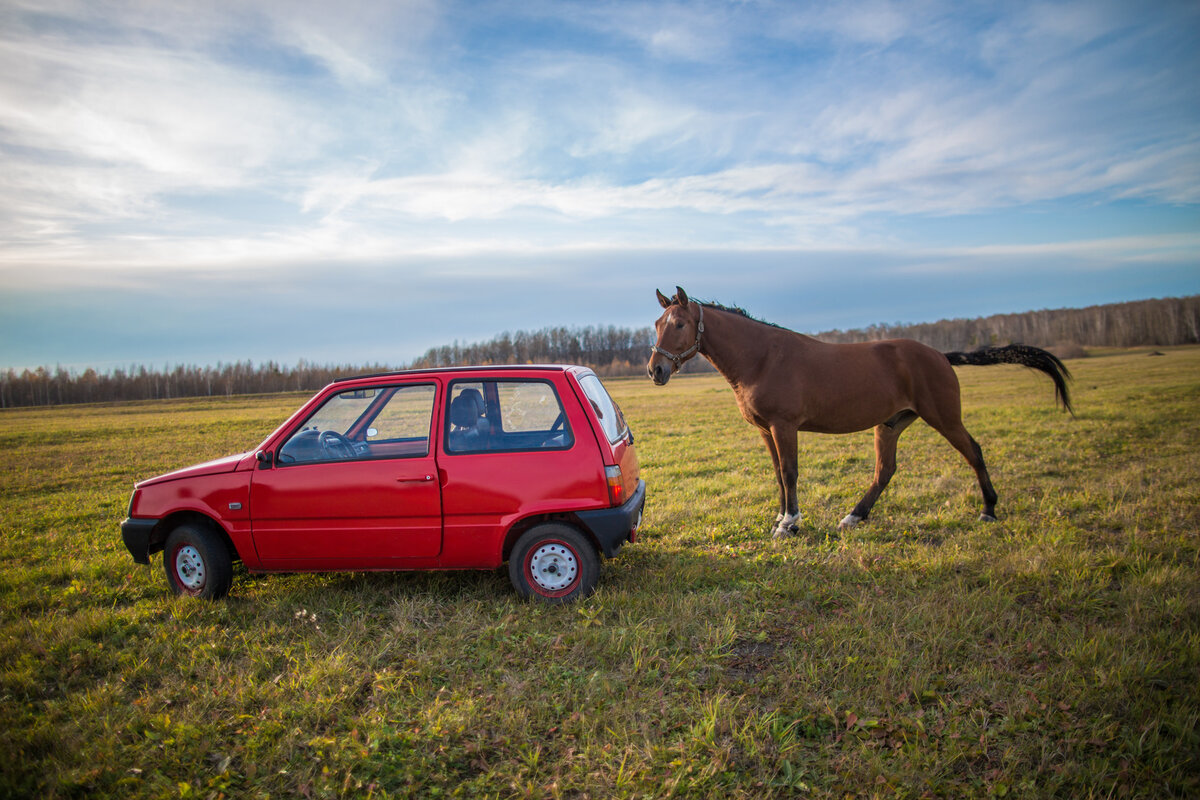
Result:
[{"x": 469, "y": 428}]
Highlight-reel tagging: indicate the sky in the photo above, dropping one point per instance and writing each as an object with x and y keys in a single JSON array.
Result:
[{"x": 356, "y": 182}]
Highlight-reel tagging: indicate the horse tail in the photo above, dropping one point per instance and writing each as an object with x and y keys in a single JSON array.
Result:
[{"x": 1026, "y": 356}]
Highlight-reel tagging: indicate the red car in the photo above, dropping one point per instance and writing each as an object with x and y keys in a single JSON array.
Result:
[{"x": 461, "y": 468}]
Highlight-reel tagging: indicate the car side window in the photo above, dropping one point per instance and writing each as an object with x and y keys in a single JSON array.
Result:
[
  {"x": 380, "y": 422},
  {"x": 506, "y": 416}
]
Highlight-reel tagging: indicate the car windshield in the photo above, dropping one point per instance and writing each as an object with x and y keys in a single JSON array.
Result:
[
  {"x": 379, "y": 422},
  {"x": 341, "y": 411}
]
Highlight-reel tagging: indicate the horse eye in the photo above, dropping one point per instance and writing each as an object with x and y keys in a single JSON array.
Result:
[{"x": 678, "y": 326}]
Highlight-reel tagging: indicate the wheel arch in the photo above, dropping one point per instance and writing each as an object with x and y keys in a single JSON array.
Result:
[
  {"x": 162, "y": 530},
  {"x": 521, "y": 526}
]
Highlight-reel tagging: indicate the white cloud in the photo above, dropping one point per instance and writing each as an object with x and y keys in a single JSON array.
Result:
[
  {"x": 405, "y": 128},
  {"x": 107, "y": 131},
  {"x": 632, "y": 119},
  {"x": 360, "y": 42},
  {"x": 346, "y": 66},
  {"x": 876, "y": 22}
]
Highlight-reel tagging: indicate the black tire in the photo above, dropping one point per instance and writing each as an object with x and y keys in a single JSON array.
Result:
[
  {"x": 554, "y": 563},
  {"x": 197, "y": 562}
]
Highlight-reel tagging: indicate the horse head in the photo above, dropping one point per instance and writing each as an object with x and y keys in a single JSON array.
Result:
[{"x": 678, "y": 335}]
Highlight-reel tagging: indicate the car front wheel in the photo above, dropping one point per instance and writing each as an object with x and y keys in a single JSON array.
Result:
[
  {"x": 197, "y": 562},
  {"x": 554, "y": 563}
]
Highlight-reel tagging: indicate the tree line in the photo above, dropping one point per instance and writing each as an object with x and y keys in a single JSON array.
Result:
[
  {"x": 1168, "y": 321},
  {"x": 45, "y": 387},
  {"x": 610, "y": 351},
  {"x": 607, "y": 350}
]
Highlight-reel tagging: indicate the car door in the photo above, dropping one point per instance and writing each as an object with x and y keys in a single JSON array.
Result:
[
  {"x": 511, "y": 451},
  {"x": 353, "y": 486}
]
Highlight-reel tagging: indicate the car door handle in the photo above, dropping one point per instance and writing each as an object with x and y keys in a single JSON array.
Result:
[{"x": 418, "y": 479}]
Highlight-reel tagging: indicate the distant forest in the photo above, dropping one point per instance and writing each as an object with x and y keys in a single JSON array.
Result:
[{"x": 611, "y": 351}]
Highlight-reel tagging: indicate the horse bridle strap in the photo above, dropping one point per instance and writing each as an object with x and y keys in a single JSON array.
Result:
[{"x": 678, "y": 360}]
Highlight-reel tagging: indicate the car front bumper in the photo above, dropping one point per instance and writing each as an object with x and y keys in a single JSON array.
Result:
[
  {"x": 613, "y": 527},
  {"x": 137, "y": 534}
]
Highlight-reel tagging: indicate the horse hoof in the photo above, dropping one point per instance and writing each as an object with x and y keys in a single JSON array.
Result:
[
  {"x": 784, "y": 531},
  {"x": 987, "y": 518},
  {"x": 785, "y": 526},
  {"x": 849, "y": 521}
]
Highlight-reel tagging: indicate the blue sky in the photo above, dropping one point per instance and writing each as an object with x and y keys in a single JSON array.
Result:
[{"x": 356, "y": 182}]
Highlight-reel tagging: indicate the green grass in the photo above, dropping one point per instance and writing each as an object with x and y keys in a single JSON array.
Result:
[{"x": 922, "y": 654}]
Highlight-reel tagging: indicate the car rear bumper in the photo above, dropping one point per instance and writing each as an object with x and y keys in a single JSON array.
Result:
[
  {"x": 137, "y": 533},
  {"x": 613, "y": 527}
]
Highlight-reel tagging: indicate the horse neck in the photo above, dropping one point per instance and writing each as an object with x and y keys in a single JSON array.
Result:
[{"x": 730, "y": 344}]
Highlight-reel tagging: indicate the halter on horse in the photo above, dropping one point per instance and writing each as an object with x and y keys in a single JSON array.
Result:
[{"x": 678, "y": 360}]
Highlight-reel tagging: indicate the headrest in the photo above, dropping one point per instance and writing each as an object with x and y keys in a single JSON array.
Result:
[{"x": 466, "y": 409}]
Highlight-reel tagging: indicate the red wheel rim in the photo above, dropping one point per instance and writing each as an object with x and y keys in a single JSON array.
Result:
[
  {"x": 552, "y": 569},
  {"x": 189, "y": 569}
]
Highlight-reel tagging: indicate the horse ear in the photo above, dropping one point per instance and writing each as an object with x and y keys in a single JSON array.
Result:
[
  {"x": 663, "y": 300},
  {"x": 681, "y": 296}
]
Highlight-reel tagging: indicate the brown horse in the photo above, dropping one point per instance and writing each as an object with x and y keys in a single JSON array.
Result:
[{"x": 786, "y": 382}]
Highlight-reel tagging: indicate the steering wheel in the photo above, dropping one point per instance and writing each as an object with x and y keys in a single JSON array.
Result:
[{"x": 335, "y": 445}]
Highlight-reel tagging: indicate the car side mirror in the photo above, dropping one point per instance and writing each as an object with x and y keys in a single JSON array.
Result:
[{"x": 264, "y": 459}]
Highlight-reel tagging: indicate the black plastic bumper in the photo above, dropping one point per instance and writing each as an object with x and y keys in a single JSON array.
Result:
[
  {"x": 613, "y": 527},
  {"x": 137, "y": 533}
]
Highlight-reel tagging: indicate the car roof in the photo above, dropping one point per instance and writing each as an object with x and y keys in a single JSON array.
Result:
[{"x": 488, "y": 368}]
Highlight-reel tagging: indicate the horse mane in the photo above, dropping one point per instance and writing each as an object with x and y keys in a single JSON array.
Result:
[{"x": 741, "y": 312}]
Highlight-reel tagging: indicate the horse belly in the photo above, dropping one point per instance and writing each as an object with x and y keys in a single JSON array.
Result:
[
  {"x": 840, "y": 412},
  {"x": 828, "y": 413},
  {"x": 843, "y": 423}
]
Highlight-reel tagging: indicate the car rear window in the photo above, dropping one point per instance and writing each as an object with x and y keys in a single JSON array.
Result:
[{"x": 607, "y": 411}]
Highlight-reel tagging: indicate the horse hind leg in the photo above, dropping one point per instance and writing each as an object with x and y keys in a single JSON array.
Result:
[
  {"x": 886, "y": 437},
  {"x": 964, "y": 443},
  {"x": 985, "y": 482}
]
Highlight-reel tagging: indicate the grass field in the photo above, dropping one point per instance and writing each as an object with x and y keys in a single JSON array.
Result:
[{"x": 922, "y": 654}]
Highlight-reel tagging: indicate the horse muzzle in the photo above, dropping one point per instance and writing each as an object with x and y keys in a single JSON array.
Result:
[{"x": 660, "y": 373}]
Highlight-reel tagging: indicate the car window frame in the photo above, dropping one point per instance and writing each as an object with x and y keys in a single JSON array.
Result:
[
  {"x": 491, "y": 395},
  {"x": 385, "y": 393}
]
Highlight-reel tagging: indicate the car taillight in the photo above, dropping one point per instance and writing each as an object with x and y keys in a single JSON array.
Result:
[{"x": 616, "y": 489}]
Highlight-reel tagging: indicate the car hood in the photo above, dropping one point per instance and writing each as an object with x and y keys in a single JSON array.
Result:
[{"x": 226, "y": 464}]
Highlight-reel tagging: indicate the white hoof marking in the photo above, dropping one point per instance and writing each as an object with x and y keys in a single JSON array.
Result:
[
  {"x": 786, "y": 526},
  {"x": 848, "y": 521}
]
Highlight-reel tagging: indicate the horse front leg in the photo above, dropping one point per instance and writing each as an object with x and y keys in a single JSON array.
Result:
[
  {"x": 779, "y": 487},
  {"x": 783, "y": 440}
]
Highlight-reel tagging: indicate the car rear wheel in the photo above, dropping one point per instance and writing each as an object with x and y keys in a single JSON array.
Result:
[
  {"x": 197, "y": 562},
  {"x": 554, "y": 563}
]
